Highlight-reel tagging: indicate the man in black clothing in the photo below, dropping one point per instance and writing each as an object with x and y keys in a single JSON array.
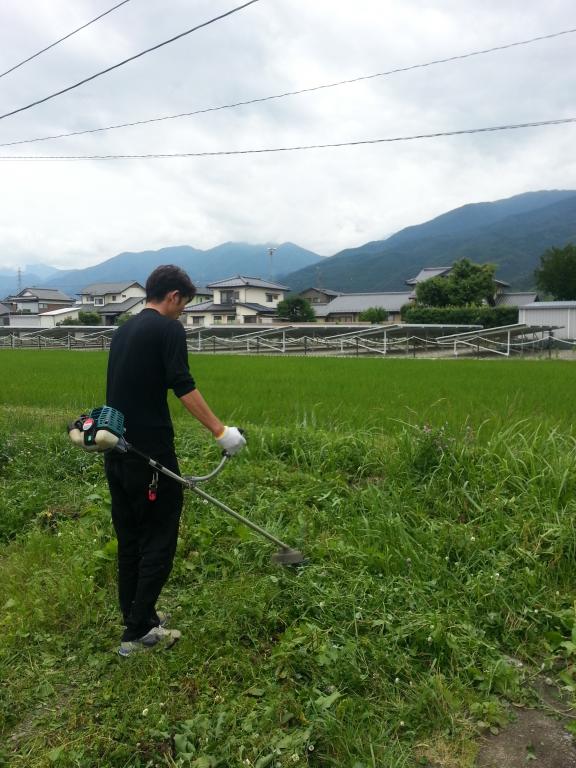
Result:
[{"x": 148, "y": 356}]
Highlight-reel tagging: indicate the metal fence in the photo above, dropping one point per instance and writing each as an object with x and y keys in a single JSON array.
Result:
[{"x": 373, "y": 341}]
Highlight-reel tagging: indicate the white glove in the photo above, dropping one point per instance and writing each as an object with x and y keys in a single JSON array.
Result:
[{"x": 231, "y": 440}]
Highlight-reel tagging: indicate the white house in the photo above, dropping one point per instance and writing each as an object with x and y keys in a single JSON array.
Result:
[
  {"x": 111, "y": 300},
  {"x": 32, "y": 301},
  {"x": 558, "y": 313},
  {"x": 238, "y": 300}
]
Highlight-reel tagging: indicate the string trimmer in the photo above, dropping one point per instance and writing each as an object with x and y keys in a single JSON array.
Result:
[{"x": 102, "y": 430}]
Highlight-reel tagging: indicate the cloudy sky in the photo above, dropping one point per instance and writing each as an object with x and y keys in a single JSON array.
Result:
[{"x": 74, "y": 214}]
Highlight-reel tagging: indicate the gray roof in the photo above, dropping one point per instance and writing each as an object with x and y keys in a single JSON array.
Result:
[
  {"x": 429, "y": 272},
  {"x": 116, "y": 306},
  {"x": 515, "y": 299},
  {"x": 100, "y": 289},
  {"x": 209, "y": 306},
  {"x": 326, "y": 291},
  {"x": 43, "y": 293},
  {"x": 352, "y": 303},
  {"x": 551, "y": 305},
  {"x": 241, "y": 281}
]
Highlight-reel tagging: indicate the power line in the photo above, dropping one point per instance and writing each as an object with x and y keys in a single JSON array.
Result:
[
  {"x": 137, "y": 56},
  {"x": 158, "y": 156},
  {"x": 294, "y": 93},
  {"x": 61, "y": 40}
]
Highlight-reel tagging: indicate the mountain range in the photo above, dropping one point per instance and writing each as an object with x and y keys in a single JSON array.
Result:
[
  {"x": 512, "y": 234},
  {"x": 203, "y": 266}
]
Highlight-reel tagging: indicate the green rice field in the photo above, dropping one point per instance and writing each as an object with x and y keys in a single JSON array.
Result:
[{"x": 435, "y": 500}]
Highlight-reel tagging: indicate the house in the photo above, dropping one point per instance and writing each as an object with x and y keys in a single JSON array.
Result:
[
  {"x": 347, "y": 307},
  {"x": 555, "y": 313},
  {"x": 202, "y": 294},
  {"x": 318, "y": 296},
  {"x": 427, "y": 273},
  {"x": 238, "y": 300},
  {"x": 33, "y": 301},
  {"x": 4, "y": 314},
  {"x": 111, "y": 300}
]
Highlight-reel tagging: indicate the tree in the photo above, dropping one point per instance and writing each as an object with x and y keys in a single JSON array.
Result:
[
  {"x": 296, "y": 309},
  {"x": 467, "y": 285},
  {"x": 433, "y": 293},
  {"x": 374, "y": 315},
  {"x": 89, "y": 318},
  {"x": 557, "y": 272}
]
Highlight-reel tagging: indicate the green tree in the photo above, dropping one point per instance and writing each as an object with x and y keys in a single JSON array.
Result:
[
  {"x": 434, "y": 292},
  {"x": 467, "y": 285},
  {"x": 121, "y": 319},
  {"x": 89, "y": 318},
  {"x": 374, "y": 315},
  {"x": 84, "y": 318},
  {"x": 296, "y": 309},
  {"x": 557, "y": 272}
]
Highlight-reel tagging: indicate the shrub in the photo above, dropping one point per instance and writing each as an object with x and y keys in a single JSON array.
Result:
[{"x": 487, "y": 317}]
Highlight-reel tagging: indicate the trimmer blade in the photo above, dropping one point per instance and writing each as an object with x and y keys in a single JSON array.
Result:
[{"x": 289, "y": 557}]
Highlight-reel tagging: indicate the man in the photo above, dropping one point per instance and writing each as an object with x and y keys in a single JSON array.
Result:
[{"x": 148, "y": 356}]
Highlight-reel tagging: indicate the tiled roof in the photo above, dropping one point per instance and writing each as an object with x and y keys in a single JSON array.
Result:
[
  {"x": 116, "y": 306},
  {"x": 209, "y": 306},
  {"x": 45, "y": 294},
  {"x": 100, "y": 289},
  {"x": 358, "y": 302},
  {"x": 241, "y": 281}
]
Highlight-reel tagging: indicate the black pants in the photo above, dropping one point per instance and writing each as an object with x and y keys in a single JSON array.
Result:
[{"x": 147, "y": 532}]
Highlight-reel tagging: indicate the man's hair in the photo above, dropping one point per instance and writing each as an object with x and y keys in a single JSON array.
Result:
[{"x": 167, "y": 278}]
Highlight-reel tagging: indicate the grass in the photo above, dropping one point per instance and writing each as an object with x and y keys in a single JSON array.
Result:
[
  {"x": 438, "y": 551},
  {"x": 326, "y": 393}
]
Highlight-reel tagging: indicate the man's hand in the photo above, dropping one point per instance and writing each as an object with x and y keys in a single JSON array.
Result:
[{"x": 231, "y": 440}]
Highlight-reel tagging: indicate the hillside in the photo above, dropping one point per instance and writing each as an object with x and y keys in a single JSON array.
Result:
[
  {"x": 203, "y": 266},
  {"x": 511, "y": 233}
]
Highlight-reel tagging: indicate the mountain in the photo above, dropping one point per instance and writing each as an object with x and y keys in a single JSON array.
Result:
[
  {"x": 511, "y": 233},
  {"x": 203, "y": 267}
]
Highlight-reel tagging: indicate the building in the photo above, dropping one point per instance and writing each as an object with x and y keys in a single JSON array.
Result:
[
  {"x": 427, "y": 273},
  {"x": 318, "y": 296},
  {"x": 238, "y": 300},
  {"x": 4, "y": 314},
  {"x": 111, "y": 300},
  {"x": 34, "y": 301},
  {"x": 347, "y": 307},
  {"x": 555, "y": 313}
]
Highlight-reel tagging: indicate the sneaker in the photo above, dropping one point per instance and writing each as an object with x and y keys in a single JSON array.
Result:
[
  {"x": 157, "y": 635},
  {"x": 163, "y": 617}
]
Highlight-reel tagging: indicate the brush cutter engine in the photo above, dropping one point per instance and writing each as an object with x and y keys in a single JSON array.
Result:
[{"x": 100, "y": 430}]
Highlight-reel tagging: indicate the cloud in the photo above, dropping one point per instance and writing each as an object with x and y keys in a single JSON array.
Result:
[{"x": 79, "y": 213}]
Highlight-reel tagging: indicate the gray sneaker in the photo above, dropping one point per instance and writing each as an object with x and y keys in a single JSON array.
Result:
[{"x": 157, "y": 636}]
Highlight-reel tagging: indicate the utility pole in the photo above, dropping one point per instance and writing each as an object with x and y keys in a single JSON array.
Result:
[{"x": 271, "y": 251}]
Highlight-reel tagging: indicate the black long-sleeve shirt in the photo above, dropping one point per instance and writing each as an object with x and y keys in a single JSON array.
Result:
[{"x": 148, "y": 356}]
